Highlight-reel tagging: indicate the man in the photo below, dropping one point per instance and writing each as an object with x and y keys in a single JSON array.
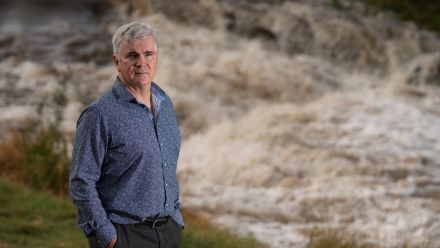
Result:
[{"x": 123, "y": 172}]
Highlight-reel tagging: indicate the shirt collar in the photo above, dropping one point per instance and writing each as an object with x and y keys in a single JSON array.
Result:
[{"x": 123, "y": 94}]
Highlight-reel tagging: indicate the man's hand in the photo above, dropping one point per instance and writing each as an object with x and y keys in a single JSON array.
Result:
[{"x": 112, "y": 243}]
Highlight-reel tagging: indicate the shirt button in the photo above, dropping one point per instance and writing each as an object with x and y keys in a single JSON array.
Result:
[
  {"x": 164, "y": 164},
  {"x": 166, "y": 184}
]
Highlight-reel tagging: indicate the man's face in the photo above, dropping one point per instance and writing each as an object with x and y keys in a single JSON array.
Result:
[{"x": 136, "y": 61}]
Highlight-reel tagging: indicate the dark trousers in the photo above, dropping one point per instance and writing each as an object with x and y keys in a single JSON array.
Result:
[{"x": 140, "y": 236}]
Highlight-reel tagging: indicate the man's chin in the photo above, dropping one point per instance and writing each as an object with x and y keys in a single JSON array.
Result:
[
  {"x": 143, "y": 82},
  {"x": 142, "y": 79}
]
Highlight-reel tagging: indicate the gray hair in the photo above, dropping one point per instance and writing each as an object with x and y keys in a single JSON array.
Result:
[{"x": 132, "y": 31}]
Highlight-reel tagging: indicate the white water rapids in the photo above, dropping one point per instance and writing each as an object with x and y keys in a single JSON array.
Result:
[{"x": 305, "y": 117}]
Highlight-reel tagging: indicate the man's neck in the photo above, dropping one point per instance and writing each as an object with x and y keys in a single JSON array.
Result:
[{"x": 142, "y": 93}]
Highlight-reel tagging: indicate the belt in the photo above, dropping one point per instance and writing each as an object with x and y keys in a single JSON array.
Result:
[{"x": 155, "y": 223}]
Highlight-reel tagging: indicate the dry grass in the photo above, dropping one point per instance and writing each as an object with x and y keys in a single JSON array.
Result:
[
  {"x": 329, "y": 238},
  {"x": 332, "y": 238},
  {"x": 12, "y": 157},
  {"x": 36, "y": 156}
]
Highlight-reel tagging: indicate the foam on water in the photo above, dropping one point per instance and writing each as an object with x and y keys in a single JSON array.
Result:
[
  {"x": 355, "y": 164},
  {"x": 321, "y": 119}
]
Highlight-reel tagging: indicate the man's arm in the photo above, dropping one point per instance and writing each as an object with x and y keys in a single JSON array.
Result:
[{"x": 87, "y": 158}]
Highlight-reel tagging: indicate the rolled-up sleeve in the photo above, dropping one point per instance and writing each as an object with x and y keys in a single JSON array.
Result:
[{"x": 87, "y": 158}]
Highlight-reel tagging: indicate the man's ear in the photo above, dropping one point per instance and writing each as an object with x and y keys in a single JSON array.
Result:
[{"x": 115, "y": 59}]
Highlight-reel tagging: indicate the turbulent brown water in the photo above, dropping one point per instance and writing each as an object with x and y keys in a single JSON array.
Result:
[{"x": 294, "y": 115}]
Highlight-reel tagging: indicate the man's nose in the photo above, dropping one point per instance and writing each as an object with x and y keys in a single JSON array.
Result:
[{"x": 141, "y": 60}]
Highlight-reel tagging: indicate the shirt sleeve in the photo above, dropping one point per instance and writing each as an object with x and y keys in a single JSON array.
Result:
[{"x": 87, "y": 157}]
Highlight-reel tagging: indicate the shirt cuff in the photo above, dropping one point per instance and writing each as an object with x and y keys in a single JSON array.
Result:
[{"x": 105, "y": 234}]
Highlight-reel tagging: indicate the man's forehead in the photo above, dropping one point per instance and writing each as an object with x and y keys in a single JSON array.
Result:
[{"x": 147, "y": 43}]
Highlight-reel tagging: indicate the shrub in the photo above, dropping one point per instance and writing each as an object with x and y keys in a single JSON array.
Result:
[{"x": 36, "y": 155}]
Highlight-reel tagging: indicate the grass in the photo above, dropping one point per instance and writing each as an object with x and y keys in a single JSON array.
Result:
[
  {"x": 334, "y": 239},
  {"x": 30, "y": 218},
  {"x": 200, "y": 233}
]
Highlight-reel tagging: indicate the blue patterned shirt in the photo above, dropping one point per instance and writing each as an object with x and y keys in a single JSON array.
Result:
[{"x": 124, "y": 162}]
